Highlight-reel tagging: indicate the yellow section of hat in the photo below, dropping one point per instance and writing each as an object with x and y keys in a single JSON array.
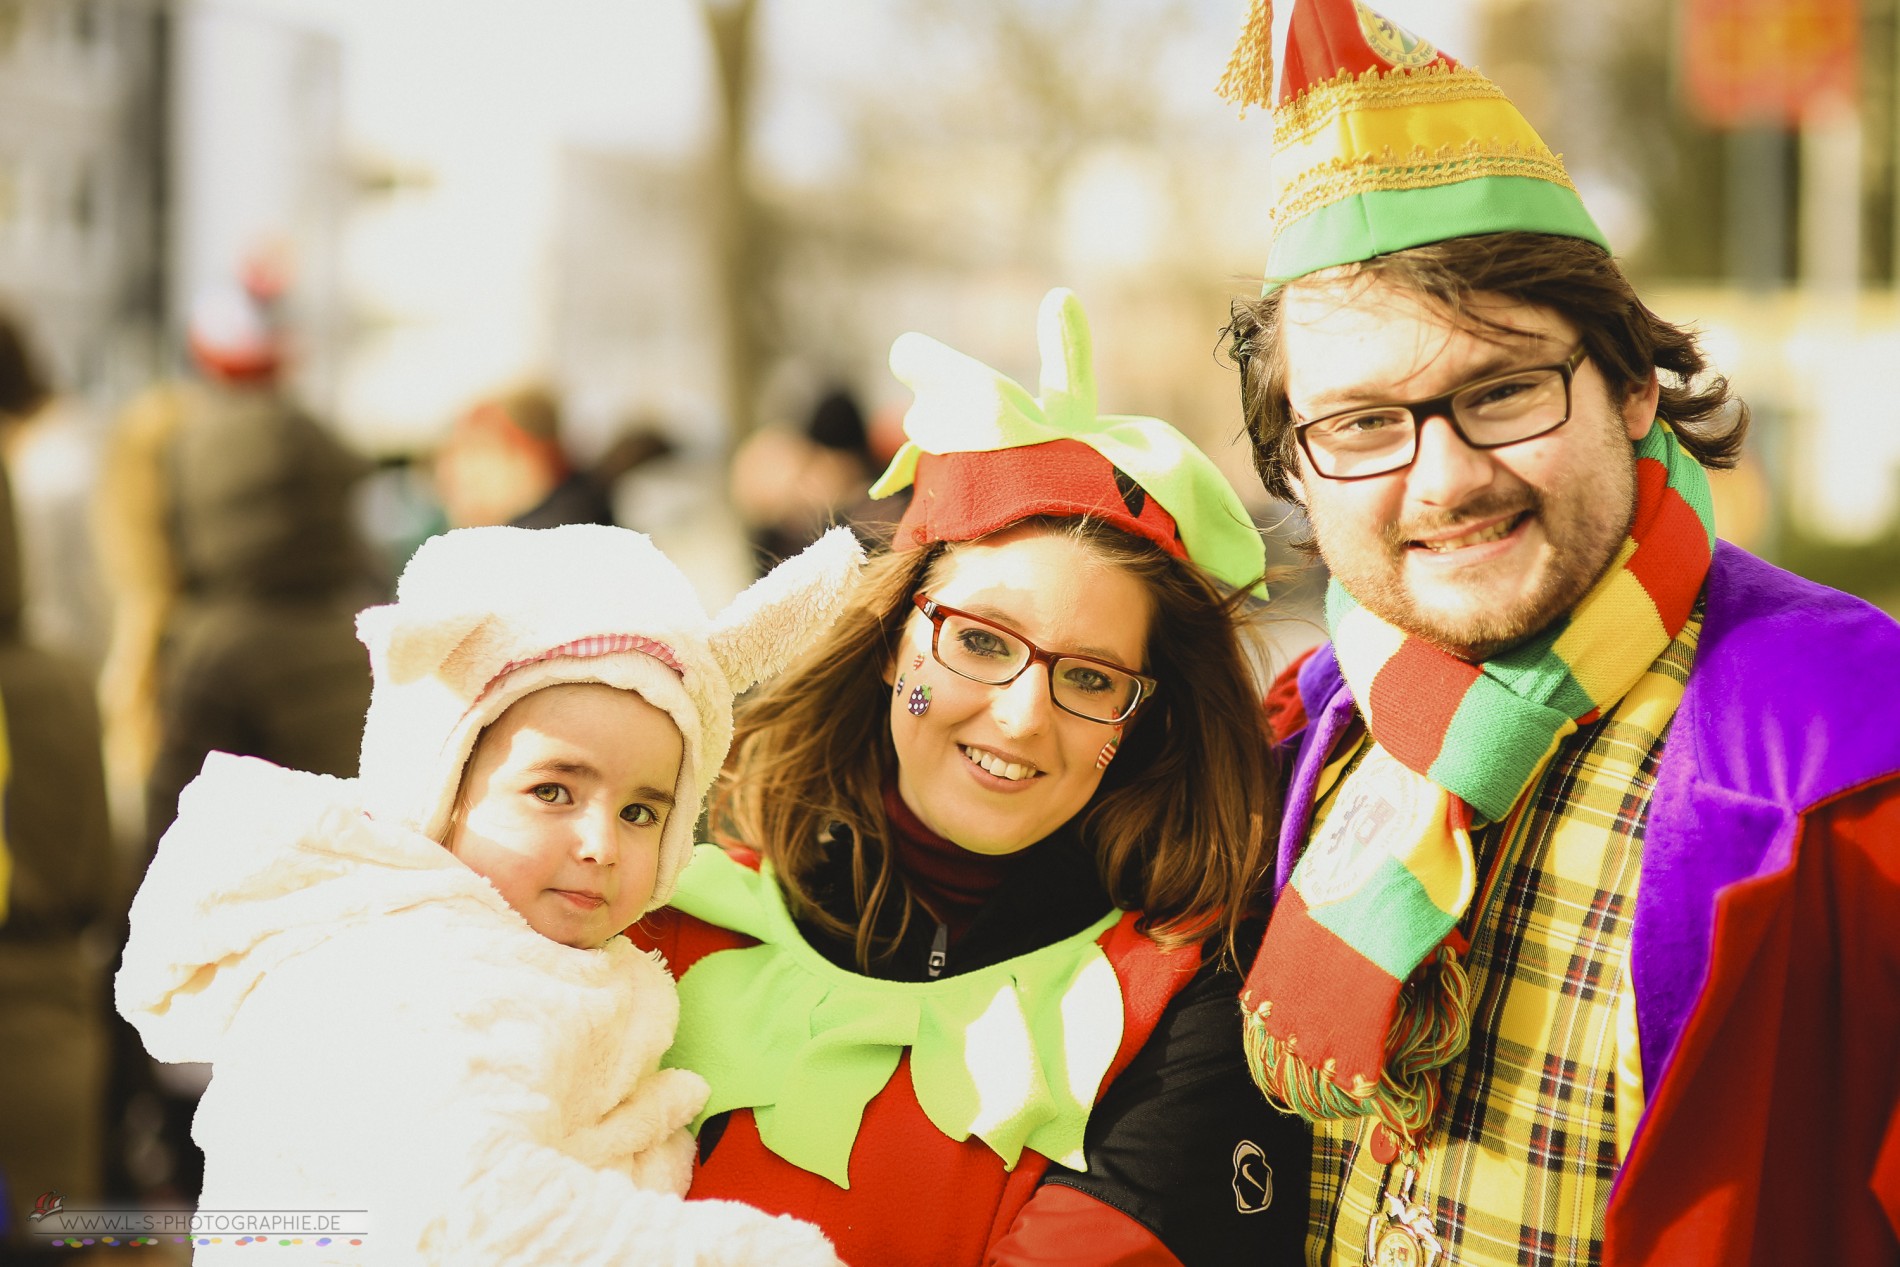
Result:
[
  {"x": 1346, "y": 92},
  {"x": 1400, "y": 130}
]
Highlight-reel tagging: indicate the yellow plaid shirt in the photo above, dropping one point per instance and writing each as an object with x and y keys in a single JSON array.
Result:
[{"x": 1536, "y": 1114}]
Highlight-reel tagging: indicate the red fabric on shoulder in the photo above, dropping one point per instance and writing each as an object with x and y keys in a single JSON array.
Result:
[
  {"x": 684, "y": 940},
  {"x": 1061, "y": 1227},
  {"x": 1771, "y": 1137},
  {"x": 744, "y": 855},
  {"x": 1150, "y": 977},
  {"x": 1886, "y": 1180},
  {"x": 1285, "y": 710}
]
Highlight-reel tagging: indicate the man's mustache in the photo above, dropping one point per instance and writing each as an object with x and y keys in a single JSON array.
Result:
[{"x": 1478, "y": 509}]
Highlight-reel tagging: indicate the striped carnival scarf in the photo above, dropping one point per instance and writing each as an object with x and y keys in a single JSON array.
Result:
[{"x": 1357, "y": 998}]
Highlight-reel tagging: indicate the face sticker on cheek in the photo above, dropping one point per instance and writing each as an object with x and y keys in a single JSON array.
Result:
[
  {"x": 899, "y": 688},
  {"x": 1109, "y": 749},
  {"x": 919, "y": 701},
  {"x": 917, "y": 662}
]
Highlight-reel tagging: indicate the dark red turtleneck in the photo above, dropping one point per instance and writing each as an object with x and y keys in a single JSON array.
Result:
[{"x": 952, "y": 881}]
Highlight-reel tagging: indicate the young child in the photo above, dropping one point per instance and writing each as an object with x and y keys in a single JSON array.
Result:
[{"x": 410, "y": 984}]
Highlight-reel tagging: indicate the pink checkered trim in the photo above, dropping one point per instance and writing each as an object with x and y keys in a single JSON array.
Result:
[{"x": 590, "y": 648}]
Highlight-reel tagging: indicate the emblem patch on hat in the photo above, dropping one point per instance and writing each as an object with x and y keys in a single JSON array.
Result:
[{"x": 1392, "y": 41}]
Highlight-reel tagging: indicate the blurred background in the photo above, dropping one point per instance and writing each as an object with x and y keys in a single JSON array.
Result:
[
  {"x": 292, "y": 284},
  {"x": 695, "y": 220}
]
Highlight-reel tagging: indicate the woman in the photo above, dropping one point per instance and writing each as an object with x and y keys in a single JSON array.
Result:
[{"x": 966, "y": 992}]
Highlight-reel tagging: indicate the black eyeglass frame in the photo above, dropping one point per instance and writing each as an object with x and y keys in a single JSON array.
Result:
[
  {"x": 1440, "y": 407},
  {"x": 934, "y": 612}
]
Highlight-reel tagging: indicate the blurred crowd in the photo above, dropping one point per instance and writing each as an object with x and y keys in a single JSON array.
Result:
[{"x": 182, "y": 576}]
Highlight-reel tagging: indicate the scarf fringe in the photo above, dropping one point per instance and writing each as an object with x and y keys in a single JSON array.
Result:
[{"x": 1430, "y": 1028}]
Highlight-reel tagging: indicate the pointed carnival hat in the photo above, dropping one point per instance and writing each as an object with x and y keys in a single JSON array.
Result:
[
  {"x": 1382, "y": 142},
  {"x": 983, "y": 453}
]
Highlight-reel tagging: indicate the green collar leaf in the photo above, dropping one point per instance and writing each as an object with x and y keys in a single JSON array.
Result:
[{"x": 1013, "y": 1053}]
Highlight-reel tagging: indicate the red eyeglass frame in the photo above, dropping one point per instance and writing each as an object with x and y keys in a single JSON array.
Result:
[{"x": 935, "y": 611}]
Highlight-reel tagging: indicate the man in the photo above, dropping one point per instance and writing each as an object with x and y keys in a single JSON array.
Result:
[
  {"x": 56, "y": 881},
  {"x": 1587, "y": 931}
]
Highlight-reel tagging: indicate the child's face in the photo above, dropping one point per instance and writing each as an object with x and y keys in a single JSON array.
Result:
[{"x": 562, "y": 805}]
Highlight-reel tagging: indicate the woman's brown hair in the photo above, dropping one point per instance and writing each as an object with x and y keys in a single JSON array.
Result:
[
  {"x": 1569, "y": 276},
  {"x": 1178, "y": 826}
]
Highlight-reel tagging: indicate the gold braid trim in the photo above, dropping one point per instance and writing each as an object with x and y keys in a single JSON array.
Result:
[
  {"x": 1341, "y": 178},
  {"x": 1322, "y": 103}
]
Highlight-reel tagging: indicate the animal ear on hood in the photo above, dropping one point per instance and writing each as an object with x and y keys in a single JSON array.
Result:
[
  {"x": 403, "y": 652},
  {"x": 778, "y": 616}
]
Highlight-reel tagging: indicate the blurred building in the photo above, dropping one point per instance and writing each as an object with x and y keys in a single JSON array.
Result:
[
  {"x": 633, "y": 318},
  {"x": 257, "y": 177},
  {"x": 82, "y": 115},
  {"x": 632, "y": 292},
  {"x": 1743, "y": 156},
  {"x": 148, "y": 150}
]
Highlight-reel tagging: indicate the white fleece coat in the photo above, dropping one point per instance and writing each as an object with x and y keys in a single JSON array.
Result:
[{"x": 388, "y": 1036}]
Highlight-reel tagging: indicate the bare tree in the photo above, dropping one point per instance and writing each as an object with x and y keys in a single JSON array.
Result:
[{"x": 740, "y": 226}]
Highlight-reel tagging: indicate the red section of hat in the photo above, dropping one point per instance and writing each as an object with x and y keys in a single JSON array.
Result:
[
  {"x": 1325, "y": 37},
  {"x": 963, "y": 496}
]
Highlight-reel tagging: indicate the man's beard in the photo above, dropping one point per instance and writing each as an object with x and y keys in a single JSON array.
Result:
[{"x": 1477, "y": 631}]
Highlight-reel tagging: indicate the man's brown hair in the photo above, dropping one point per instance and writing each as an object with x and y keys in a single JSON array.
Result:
[
  {"x": 1569, "y": 276},
  {"x": 1178, "y": 826}
]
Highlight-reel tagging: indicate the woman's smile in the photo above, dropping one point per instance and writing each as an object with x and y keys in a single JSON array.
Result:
[{"x": 1007, "y": 769}]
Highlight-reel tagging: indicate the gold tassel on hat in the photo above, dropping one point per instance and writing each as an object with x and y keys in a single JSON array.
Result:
[{"x": 1248, "y": 80}]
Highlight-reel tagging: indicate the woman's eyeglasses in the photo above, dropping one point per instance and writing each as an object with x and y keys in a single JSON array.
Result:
[{"x": 996, "y": 655}]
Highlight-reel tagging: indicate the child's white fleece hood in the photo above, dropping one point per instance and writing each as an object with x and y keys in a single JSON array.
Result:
[{"x": 483, "y": 616}]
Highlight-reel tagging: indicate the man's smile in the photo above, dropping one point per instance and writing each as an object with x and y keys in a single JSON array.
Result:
[{"x": 1464, "y": 537}]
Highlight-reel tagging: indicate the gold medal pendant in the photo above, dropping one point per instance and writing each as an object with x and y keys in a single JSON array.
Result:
[{"x": 1402, "y": 1235}]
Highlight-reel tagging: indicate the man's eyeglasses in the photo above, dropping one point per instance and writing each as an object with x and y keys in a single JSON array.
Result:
[
  {"x": 996, "y": 655},
  {"x": 1493, "y": 412}
]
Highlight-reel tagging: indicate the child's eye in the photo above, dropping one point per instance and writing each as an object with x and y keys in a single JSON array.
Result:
[
  {"x": 640, "y": 815},
  {"x": 550, "y": 794}
]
